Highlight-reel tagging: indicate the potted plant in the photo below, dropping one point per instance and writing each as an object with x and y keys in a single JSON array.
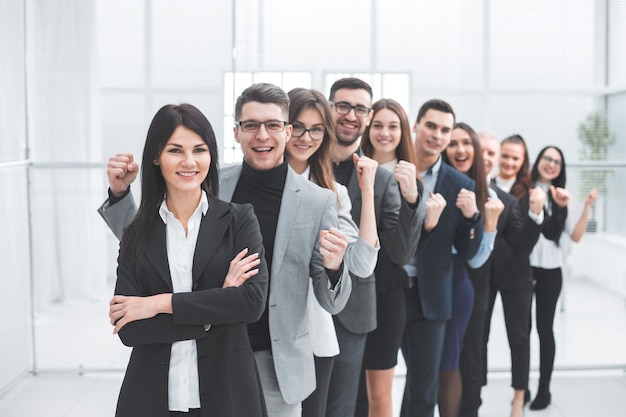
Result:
[{"x": 596, "y": 138}]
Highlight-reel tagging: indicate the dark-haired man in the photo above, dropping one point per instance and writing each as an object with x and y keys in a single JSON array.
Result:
[
  {"x": 429, "y": 296},
  {"x": 398, "y": 222}
]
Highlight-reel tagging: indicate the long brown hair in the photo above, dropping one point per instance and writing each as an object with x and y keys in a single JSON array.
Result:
[
  {"x": 523, "y": 183},
  {"x": 477, "y": 170},
  {"x": 405, "y": 150},
  {"x": 320, "y": 162}
]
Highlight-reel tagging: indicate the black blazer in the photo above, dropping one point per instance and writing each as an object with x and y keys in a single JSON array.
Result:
[
  {"x": 434, "y": 256},
  {"x": 228, "y": 377},
  {"x": 509, "y": 239},
  {"x": 399, "y": 228},
  {"x": 390, "y": 275},
  {"x": 511, "y": 263}
]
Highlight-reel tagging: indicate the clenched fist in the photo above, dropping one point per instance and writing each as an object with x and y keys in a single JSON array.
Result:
[
  {"x": 434, "y": 207},
  {"x": 121, "y": 171},
  {"x": 333, "y": 244}
]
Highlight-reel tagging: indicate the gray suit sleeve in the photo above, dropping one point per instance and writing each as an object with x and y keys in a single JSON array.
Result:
[
  {"x": 334, "y": 299},
  {"x": 119, "y": 215},
  {"x": 360, "y": 257},
  {"x": 400, "y": 225}
]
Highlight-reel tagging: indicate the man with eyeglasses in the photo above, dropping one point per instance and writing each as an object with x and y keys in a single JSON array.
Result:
[
  {"x": 298, "y": 221},
  {"x": 398, "y": 221}
]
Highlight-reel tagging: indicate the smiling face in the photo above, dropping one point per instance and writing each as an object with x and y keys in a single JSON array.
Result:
[
  {"x": 349, "y": 127},
  {"x": 511, "y": 160},
  {"x": 384, "y": 134},
  {"x": 491, "y": 149},
  {"x": 300, "y": 149},
  {"x": 460, "y": 151},
  {"x": 184, "y": 161},
  {"x": 432, "y": 132},
  {"x": 549, "y": 166},
  {"x": 262, "y": 150}
]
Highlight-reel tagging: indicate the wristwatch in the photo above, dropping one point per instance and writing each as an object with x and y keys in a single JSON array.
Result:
[{"x": 475, "y": 217}]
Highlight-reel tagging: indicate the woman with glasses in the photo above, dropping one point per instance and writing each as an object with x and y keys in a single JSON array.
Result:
[
  {"x": 308, "y": 153},
  {"x": 547, "y": 258}
]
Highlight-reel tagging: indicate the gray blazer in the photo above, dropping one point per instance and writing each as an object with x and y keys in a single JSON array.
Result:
[
  {"x": 305, "y": 210},
  {"x": 399, "y": 228}
]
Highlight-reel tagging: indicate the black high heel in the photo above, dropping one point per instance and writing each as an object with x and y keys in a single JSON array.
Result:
[{"x": 542, "y": 400}]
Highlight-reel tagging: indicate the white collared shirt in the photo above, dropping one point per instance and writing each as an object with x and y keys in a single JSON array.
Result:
[{"x": 183, "y": 382}]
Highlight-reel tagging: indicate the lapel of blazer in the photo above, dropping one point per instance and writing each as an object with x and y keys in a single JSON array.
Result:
[
  {"x": 442, "y": 179},
  {"x": 212, "y": 229},
  {"x": 289, "y": 206},
  {"x": 354, "y": 191},
  {"x": 156, "y": 252}
]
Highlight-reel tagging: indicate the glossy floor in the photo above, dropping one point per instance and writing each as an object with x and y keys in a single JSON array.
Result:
[{"x": 590, "y": 377}]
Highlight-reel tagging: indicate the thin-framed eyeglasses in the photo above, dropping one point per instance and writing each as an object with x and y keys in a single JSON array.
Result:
[
  {"x": 315, "y": 133},
  {"x": 343, "y": 107},
  {"x": 549, "y": 160},
  {"x": 253, "y": 126}
]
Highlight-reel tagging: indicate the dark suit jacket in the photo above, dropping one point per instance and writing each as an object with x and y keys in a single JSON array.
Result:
[
  {"x": 229, "y": 381},
  {"x": 434, "y": 257},
  {"x": 510, "y": 238},
  {"x": 399, "y": 231},
  {"x": 511, "y": 269}
]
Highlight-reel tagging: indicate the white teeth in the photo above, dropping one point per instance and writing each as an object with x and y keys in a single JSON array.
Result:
[
  {"x": 186, "y": 174},
  {"x": 262, "y": 149}
]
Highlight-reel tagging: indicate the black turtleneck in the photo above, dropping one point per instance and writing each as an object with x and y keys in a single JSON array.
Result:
[
  {"x": 343, "y": 171},
  {"x": 264, "y": 190}
]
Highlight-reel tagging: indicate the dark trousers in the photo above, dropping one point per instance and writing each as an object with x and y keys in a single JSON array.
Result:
[
  {"x": 344, "y": 379},
  {"x": 516, "y": 306},
  {"x": 548, "y": 284},
  {"x": 473, "y": 360},
  {"x": 473, "y": 363},
  {"x": 422, "y": 346},
  {"x": 315, "y": 404}
]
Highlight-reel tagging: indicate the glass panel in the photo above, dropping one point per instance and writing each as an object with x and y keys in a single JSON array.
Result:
[
  {"x": 539, "y": 44},
  {"x": 15, "y": 308},
  {"x": 12, "y": 93},
  {"x": 187, "y": 58},
  {"x": 120, "y": 31},
  {"x": 74, "y": 261},
  {"x": 617, "y": 43},
  {"x": 398, "y": 87},
  {"x": 540, "y": 119}
]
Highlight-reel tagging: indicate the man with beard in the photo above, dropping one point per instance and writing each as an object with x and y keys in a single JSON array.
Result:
[{"x": 398, "y": 221}]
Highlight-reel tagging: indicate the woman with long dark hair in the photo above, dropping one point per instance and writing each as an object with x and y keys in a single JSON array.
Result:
[
  {"x": 512, "y": 272},
  {"x": 547, "y": 258},
  {"x": 191, "y": 274},
  {"x": 465, "y": 155}
]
